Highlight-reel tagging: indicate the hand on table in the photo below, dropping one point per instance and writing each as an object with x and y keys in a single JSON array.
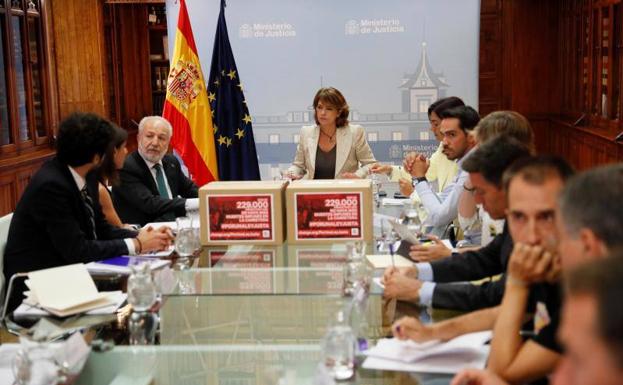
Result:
[
  {"x": 401, "y": 287},
  {"x": 150, "y": 240},
  {"x": 378, "y": 168},
  {"x": 411, "y": 328},
  {"x": 349, "y": 175},
  {"x": 430, "y": 252},
  {"x": 406, "y": 271},
  {"x": 476, "y": 377}
]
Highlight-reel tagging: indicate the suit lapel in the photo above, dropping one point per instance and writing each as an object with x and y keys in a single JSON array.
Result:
[
  {"x": 344, "y": 141},
  {"x": 79, "y": 206},
  {"x": 169, "y": 172},
  {"x": 146, "y": 173},
  {"x": 312, "y": 148}
]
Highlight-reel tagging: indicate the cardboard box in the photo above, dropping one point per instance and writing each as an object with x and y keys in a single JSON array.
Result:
[
  {"x": 242, "y": 212},
  {"x": 329, "y": 211}
]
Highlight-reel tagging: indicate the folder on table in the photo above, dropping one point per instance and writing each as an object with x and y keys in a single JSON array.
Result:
[
  {"x": 122, "y": 264},
  {"x": 65, "y": 290}
]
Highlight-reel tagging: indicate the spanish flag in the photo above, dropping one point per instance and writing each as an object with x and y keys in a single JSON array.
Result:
[{"x": 187, "y": 106}]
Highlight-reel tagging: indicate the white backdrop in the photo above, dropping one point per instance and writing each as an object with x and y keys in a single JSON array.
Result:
[{"x": 286, "y": 49}]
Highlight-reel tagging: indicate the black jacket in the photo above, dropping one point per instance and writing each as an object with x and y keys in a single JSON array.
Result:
[
  {"x": 451, "y": 290},
  {"x": 136, "y": 198},
  {"x": 50, "y": 225}
]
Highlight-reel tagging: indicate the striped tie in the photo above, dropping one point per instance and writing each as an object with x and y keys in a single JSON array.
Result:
[{"x": 88, "y": 204}]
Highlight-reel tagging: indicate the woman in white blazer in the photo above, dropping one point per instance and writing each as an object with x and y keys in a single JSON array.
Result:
[{"x": 332, "y": 148}]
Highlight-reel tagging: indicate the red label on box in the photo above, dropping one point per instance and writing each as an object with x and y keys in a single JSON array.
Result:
[
  {"x": 242, "y": 272},
  {"x": 241, "y": 259},
  {"x": 240, "y": 217},
  {"x": 328, "y": 216},
  {"x": 320, "y": 271}
]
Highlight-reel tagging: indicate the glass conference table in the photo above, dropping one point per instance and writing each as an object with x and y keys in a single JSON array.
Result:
[{"x": 252, "y": 315}]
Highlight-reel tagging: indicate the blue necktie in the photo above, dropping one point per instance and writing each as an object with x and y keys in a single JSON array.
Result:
[{"x": 162, "y": 187}]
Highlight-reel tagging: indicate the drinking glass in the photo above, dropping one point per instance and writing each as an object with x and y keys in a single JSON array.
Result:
[
  {"x": 387, "y": 239},
  {"x": 184, "y": 222},
  {"x": 142, "y": 327},
  {"x": 37, "y": 362},
  {"x": 141, "y": 288},
  {"x": 355, "y": 251},
  {"x": 186, "y": 240},
  {"x": 338, "y": 350},
  {"x": 376, "y": 188},
  {"x": 411, "y": 215}
]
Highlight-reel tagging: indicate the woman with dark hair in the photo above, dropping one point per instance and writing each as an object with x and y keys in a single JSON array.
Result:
[
  {"x": 442, "y": 170},
  {"x": 332, "y": 148},
  {"x": 108, "y": 174}
]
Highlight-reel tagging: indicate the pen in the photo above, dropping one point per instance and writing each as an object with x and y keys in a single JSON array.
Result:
[{"x": 391, "y": 252}]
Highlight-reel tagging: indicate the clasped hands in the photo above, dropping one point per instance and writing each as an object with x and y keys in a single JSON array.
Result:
[
  {"x": 150, "y": 239},
  {"x": 401, "y": 283},
  {"x": 532, "y": 264},
  {"x": 416, "y": 164}
]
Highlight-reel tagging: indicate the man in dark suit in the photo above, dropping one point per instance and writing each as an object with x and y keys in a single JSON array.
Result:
[
  {"x": 533, "y": 186},
  {"x": 436, "y": 281},
  {"x": 153, "y": 187},
  {"x": 58, "y": 220}
]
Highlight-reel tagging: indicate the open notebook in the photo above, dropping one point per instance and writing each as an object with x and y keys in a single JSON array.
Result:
[{"x": 65, "y": 290}]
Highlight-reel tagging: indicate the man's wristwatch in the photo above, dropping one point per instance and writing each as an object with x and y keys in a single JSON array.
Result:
[{"x": 415, "y": 180}]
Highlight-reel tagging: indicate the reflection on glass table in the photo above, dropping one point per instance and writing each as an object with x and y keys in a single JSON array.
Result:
[
  {"x": 251, "y": 270},
  {"x": 261, "y": 319},
  {"x": 218, "y": 364}
]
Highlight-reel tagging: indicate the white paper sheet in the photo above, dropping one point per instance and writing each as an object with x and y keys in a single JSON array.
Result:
[
  {"x": 382, "y": 261},
  {"x": 379, "y": 282},
  {"x": 393, "y": 202},
  {"x": 117, "y": 298},
  {"x": 63, "y": 287},
  {"x": 410, "y": 351},
  {"x": 449, "y": 364}
]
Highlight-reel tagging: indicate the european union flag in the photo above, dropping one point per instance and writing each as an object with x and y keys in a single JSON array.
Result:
[{"x": 233, "y": 134}]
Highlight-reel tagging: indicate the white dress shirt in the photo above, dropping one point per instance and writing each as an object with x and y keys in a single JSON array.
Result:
[{"x": 80, "y": 182}]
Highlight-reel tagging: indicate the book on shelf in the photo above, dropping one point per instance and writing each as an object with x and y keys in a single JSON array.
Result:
[{"x": 165, "y": 46}]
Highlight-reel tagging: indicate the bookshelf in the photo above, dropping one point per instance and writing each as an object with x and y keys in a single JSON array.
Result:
[{"x": 158, "y": 54}]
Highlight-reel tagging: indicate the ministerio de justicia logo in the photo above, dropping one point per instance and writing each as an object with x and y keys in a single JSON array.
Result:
[{"x": 373, "y": 26}]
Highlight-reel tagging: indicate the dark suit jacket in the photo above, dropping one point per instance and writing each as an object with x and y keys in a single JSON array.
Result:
[
  {"x": 50, "y": 225},
  {"x": 136, "y": 198},
  {"x": 486, "y": 262}
]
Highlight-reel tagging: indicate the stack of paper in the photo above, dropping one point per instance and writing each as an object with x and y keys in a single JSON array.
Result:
[
  {"x": 393, "y": 201},
  {"x": 122, "y": 264},
  {"x": 65, "y": 290},
  {"x": 30, "y": 309},
  {"x": 468, "y": 350},
  {"x": 382, "y": 261}
]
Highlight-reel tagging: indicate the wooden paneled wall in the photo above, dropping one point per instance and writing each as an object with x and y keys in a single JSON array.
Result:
[
  {"x": 517, "y": 67},
  {"x": 520, "y": 59},
  {"x": 74, "y": 45},
  {"x": 78, "y": 46},
  {"x": 133, "y": 54}
]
